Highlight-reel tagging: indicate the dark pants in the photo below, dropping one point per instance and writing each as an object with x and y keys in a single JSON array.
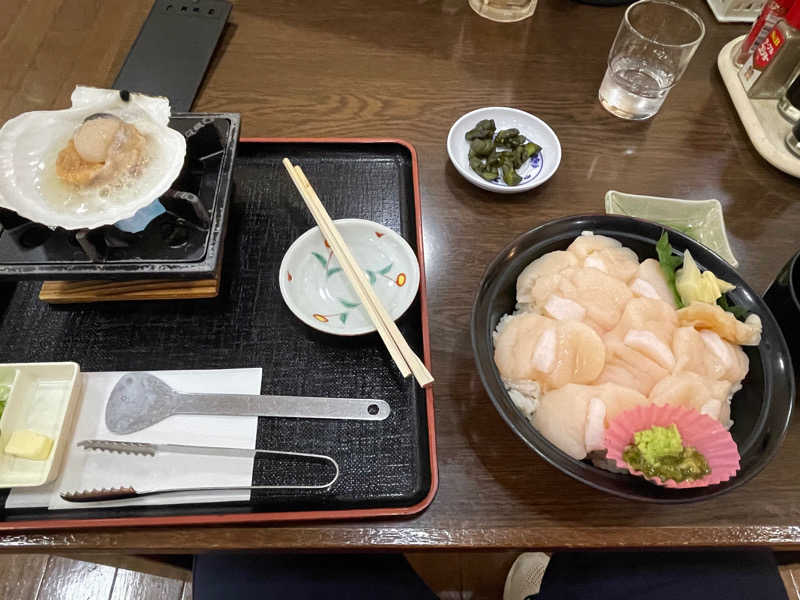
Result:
[
  {"x": 724, "y": 575},
  {"x": 728, "y": 575},
  {"x": 306, "y": 577}
]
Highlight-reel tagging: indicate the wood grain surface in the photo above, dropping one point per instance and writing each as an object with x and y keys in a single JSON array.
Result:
[
  {"x": 21, "y": 575},
  {"x": 71, "y": 292},
  {"x": 132, "y": 585},
  {"x": 66, "y": 579},
  {"x": 409, "y": 70},
  {"x": 40, "y": 577}
]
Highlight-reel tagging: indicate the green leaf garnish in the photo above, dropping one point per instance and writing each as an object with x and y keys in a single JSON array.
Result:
[
  {"x": 737, "y": 311},
  {"x": 669, "y": 263}
]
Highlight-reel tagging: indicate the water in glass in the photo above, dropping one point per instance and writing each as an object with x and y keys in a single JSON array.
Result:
[{"x": 633, "y": 88}]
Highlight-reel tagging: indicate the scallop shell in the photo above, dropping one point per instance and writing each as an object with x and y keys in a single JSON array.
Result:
[{"x": 30, "y": 142}]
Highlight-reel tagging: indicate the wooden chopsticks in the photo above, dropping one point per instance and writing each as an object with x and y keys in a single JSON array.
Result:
[{"x": 402, "y": 354}]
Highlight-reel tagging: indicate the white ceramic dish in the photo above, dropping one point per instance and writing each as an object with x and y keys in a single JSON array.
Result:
[
  {"x": 534, "y": 173},
  {"x": 701, "y": 220},
  {"x": 762, "y": 121},
  {"x": 317, "y": 291},
  {"x": 43, "y": 398}
]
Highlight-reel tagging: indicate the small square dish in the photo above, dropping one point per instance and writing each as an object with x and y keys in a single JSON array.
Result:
[
  {"x": 701, "y": 220},
  {"x": 42, "y": 398}
]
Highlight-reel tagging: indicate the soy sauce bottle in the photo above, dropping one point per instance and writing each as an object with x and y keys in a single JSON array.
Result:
[{"x": 769, "y": 68}]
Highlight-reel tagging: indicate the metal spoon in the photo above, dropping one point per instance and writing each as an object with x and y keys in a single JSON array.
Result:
[{"x": 140, "y": 400}]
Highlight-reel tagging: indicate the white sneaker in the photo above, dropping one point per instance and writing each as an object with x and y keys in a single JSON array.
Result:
[{"x": 525, "y": 576}]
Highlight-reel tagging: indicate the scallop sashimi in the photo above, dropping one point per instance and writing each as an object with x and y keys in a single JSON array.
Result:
[
  {"x": 707, "y": 396},
  {"x": 602, "y": 296},
  {"x": 574, "y": 417},
  {"x": 586, "y": 243},
  {"x": 706, "y": 353},
  {"x": 621, "y": 263},
  {"x": 649, "y": 282},
  {"x": 553, "y": 353},
  {"x": 647, "y": 326},
  {"x": 552, "y": 263},
  {"x": 629, "y": 367}
]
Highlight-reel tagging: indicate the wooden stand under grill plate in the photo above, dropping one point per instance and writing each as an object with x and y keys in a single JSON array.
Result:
[{"x": 67, "y": 292}]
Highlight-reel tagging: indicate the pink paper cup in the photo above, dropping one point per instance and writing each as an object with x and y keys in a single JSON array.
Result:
[{"x": 701, "y": 432}]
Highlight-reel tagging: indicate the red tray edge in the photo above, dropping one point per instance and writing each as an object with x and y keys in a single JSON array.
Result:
[{"x": 317, "y": 515}]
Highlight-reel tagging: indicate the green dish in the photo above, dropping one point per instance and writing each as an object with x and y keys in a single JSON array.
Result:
[{"x": 701, "y": 220}]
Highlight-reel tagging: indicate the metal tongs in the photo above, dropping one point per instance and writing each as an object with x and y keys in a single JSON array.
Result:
[{"x": 145, "y": 449}]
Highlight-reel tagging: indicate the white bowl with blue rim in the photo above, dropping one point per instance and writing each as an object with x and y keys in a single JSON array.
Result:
[
  {"x": 318, "y": 292},
  {"x": 534, "y": 172}
]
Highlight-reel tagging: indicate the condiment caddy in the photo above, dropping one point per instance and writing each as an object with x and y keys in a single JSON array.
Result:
[{"x": 765, "y": 126}]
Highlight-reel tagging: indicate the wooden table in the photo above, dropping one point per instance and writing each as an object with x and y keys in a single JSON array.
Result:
[{"x": 408, "y": 70}]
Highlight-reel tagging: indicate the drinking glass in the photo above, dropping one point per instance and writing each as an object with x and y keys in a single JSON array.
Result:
[
  {"x": 505, "y": 11},
  {"x": 654, "y": 44}
]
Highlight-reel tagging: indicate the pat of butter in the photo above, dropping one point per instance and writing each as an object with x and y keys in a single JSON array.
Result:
[{"x": 29, "y": 444}]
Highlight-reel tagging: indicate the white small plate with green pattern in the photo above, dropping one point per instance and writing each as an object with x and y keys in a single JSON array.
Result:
[
  {"x": 701, "y": 220},
  {"x": 317, "y": 291}
]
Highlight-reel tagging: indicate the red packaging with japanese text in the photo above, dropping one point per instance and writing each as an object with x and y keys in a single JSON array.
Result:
[
  {"x": 766, "y": 72},
  {"x": 773, "y": 11}
]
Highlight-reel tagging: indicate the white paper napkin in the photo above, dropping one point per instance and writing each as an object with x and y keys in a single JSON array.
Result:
[{"x": 86, "y": 470}]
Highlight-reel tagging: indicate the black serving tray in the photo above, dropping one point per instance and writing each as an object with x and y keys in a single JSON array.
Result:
[
  {"x": 184, "y": 242},
  {"x": 387, "y": 467}
]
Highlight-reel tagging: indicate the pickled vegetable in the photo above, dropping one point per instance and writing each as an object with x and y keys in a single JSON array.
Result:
[
  {"x": 481, "y": 147},
  {"x": 510, "y": 175},
  {"x": 505, "y": 137},
  {"x": 489, "y": 161},
  {"x": 701, "y": 286},
  {"x": 484, "y": 129}
]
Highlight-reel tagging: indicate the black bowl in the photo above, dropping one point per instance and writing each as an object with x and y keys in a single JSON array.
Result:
[
  {"x": 760, "y": 410},
  {"x": 783, "y": 298}
]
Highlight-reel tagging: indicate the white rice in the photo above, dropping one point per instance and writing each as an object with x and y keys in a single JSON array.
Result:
[
  {"x": 501, "y": 325},
  {"x": 525, "y": 394}
]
